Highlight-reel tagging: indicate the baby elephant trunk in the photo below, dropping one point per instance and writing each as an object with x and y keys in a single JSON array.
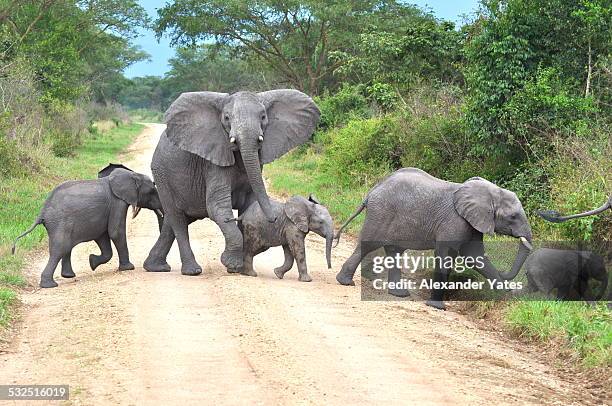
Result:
[{"x": 329, "y": 238}]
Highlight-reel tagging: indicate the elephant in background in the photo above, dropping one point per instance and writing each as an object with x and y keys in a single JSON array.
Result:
[
  {"x": 295, "y": 218},
  {"x": 411, "y": 209},
  {"x": 556, "y": 217},
  {"x": 568, "y": 271},
  {"x": 209, "y": 161},
  {"x": 86, "y": 210}
]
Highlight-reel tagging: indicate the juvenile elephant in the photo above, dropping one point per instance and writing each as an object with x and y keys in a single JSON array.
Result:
[
  {"x": 568, "y": 271},
  {"x": 86, "y": 210},
  {"x": 411, "y": 209},
  {"x": 209, "y": 161},
  {"x": 556, "y": 217},
  {"x": 295, "y": 219}
]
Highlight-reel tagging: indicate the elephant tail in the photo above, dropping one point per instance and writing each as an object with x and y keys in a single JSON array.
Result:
[
  {"x": 38, "y": 221},
  {"x": 346, "y": 223}
]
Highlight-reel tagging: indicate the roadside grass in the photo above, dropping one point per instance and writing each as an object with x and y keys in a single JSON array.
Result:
[
  {"x": 146, "y": 115},
  {"x": 22, "y": 198},
  {"x": 584, "y": 330}
]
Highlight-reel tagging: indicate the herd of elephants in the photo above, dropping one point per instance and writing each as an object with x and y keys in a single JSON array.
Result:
[{"x": 209, "y": 162}]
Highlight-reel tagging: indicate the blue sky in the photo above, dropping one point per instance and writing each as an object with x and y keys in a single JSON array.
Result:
[{"x": 161, "y": 51}]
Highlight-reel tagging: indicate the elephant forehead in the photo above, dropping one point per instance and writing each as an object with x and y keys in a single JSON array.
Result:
[{"x": 246, "y": 99}]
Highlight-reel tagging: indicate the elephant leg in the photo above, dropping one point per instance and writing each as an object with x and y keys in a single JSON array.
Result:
[
  {"x": 180, "y": 226},
  {"x": 156, "y": 261},
  {"x": 219, "y": 208},
  {"x": 59, "y": 247},
  {"x": 395, "y": 273},
  {"x": 298, "y": 250},
  {"x": 346, "y": 274},
  {"x": 440, "y": 275},
  {"x": 106, "y": 252},
  {"x": 67, "y": 271},
  {"x": 117, "y": 236},
  {"x": 248, "y": 261},
  {"x": 286, "y": 266}
]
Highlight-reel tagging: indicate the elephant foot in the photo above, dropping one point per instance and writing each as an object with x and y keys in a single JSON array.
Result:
[
  {"x": 68, "y": 274},
  {"x": 399, "y": 292},
  {"x": 343, "y": 280},
  {"x": 191, "y": 270},
  {"x": 48, "y": 283},
  {"x": 279, "y": 272},
  {"x": 232, "y": 259},
  {"x": 437, "y": 304},
  {"x": 151, "y": 266},
  {"x": 94, "y": 261},
  {"x": 305, "y": 278},
  {"x": 128, "y": 266},
  {"x": 249, "y": 272},
  {"x": 232, "y": 270}
]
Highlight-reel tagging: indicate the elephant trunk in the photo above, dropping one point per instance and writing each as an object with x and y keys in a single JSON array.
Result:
[
  {"x": 328, "y": 246},
  {"x": 250, "y": 157},
  {"x": 524, "y": 250}
]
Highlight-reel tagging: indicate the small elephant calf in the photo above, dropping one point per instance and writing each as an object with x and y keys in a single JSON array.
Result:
[
  {"x": 568, "y": 271},
  {"x": 86, "y": 210},
  {"x": 295, "y": 219}
]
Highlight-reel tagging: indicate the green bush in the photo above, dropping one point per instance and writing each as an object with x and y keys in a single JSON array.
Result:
[
  {"x": 363, "y": 151},
  {"x": 339, "y": 108},
  {"x": 10, "y": 163}
]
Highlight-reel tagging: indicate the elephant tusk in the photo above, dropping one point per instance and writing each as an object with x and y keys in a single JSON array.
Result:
[
  {"x": 232, "y": 140},
  {"x": 135, "y": 211},
  {"x": 260, "y": 138},
  {"x": 526, "y": 243},
  {"x": 159, "y": 213}
]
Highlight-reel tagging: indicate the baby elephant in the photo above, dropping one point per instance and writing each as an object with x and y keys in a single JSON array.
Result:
[
  {"x": 568, "y": 271},
  {"x": 86, "y": 210},
  {"x": 295, "y": 219}
]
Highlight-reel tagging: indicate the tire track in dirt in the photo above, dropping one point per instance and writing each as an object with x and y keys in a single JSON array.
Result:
[{"x": 141, "y": 338}]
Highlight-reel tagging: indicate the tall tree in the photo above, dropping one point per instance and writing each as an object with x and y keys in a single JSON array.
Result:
[{"x": 293, "y": 37}]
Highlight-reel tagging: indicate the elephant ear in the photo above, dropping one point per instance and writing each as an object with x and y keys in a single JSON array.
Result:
[
  {"x": 110, "y": 168},
  {"x": 124, "y": 185},
  {"x": 292, "y": 119},
  {"x": 475, "y": 203},
  {"x": 297, "y": 212},
  {"x": 194, "y": 125}
]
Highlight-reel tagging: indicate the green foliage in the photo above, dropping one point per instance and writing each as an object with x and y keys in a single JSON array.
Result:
[
  {"x": 528, "y": 62},
  {"x": 415, "y": 47},
  {"x": 587, "y": 330},
  {"x": 293, "y": 39},
  {"x": 338, "y": 108},
  {"x": 362, "y": 151}
]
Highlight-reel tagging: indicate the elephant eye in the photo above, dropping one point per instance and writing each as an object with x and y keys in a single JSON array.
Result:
[
  {"x": 226, "y": 117},
  {"x": 263, "y": 117}
]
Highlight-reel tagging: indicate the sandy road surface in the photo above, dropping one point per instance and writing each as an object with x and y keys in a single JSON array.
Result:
[{"x": 140, "y": 338}]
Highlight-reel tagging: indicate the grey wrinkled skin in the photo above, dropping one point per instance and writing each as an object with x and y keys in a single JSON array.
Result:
[
  {"x": 86, "y": 210},
  {"x": 209, "y": 161},
  {"x": 567, "y": 271},
  {"x": 295, "y": 219},
  {"x": 423, "y": 212},
  {"x": 556, "y": 217}
]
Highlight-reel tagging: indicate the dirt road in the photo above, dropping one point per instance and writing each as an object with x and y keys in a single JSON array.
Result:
[{"x": 138, "y": 338}]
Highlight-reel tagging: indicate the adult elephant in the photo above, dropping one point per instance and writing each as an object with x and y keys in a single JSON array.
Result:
[
  {"x": 410, "y": 209},
  {"x": 209, "y": 161},
  {"x": 556, "y": 217}
]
